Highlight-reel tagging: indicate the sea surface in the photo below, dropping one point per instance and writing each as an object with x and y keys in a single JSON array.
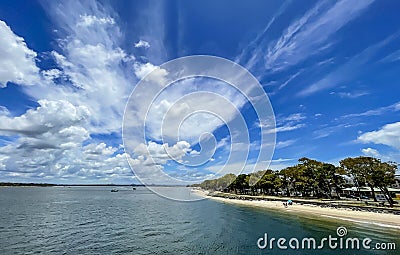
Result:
[{"x": 93, "y": 220}]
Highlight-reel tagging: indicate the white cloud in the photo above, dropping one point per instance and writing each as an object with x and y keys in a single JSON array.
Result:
[
  {"x": 286, "y": 128},
  {"x": 387, "y": 135},
  {"x": 350, "y": 95},
  {"x": 158, "y": 154},
  {"x": 285, "y": 123},
  {"x": 49, "y": 145},
  {"x": 149, "y": 161},
  {"x": 291, "y": 78},
  {"x": 284, "y": 144},
  {"x": 281, "y": 163},
  {"x": 51, "y": 74},
  {"x": 275, "y": 164},
  {"x": 254, "y": 53},
  {"x": 53, "y": 141},
  {"x": 378, "y": 111},
  {"x": 348, "y": 70},
  {"x": 309, "y": 34},
  {"x": 50, "y": 116},
  {"x": 392, "y": 57},
  {"x": 99, "y": 149},
  {"x": 4, "y": 111},
  {"x": 158, "y": 75},
  {"x": 184, "y": 110},
  {"x": 85, "y": 95},
  {"x": 142, "y": 44},
  {"x": 393, "y": 156},
  {"x": 90, "y": 20},
  {"x": 17, "y": 63},
  {"x": 95, "y": 72},
  {"x": 292, "y": 117},
  {"x": 371, "y": 152}
]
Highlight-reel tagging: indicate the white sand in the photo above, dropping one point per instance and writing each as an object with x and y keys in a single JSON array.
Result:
[{"x": 381, "y": 219}]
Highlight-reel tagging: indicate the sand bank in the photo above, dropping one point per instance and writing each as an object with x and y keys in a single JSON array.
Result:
[{"x": 381, "y": 219}]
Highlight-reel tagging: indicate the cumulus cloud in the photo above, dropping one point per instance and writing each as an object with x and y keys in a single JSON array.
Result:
[
  {"x": 142, "y": 44},
  {"x": 192, "y": 107},
  {"x": 4, "y": 111},
  {"x": 93, "y": 68},
  {"x": 52, "y": 125},
  {"x": 389, "y": 135},
  {"x": 51, "y": 74},
  {"x": 84, "y": 95},
  {"x": 50, "y": 116},
  {"x": 49, "y": 143},
  {"x": 54, "y": 140},
  {"x": 158, "y": 76},
  {"x": 371, "y": 152},
  {"x": 158, "y": 154},
  {"x": 149, "y": 162},
  {"x": 49, "y": 146},
  {"x": 17, "y": 63}
]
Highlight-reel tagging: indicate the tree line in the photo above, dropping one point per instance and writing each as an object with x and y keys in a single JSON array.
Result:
[{"x": 311, "y": 178}]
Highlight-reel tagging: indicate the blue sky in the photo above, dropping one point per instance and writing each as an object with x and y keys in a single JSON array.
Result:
[{"x": 329, "y": 68}]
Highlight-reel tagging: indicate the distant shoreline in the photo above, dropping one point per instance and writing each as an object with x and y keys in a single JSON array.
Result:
[
  {"x": 23, "y": 184},
  {"x": 345, "y": 214}
]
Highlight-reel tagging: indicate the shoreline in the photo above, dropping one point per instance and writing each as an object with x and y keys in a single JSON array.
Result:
[{"x": 363, "y": 217}]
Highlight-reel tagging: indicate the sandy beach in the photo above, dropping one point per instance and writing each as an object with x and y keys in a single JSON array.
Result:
[{"x": 380, "y": 219}]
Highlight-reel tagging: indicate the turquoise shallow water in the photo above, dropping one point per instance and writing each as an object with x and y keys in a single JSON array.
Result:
[{"x": 93, "y": 220}]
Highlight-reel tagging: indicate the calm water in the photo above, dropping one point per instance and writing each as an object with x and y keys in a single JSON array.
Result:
[{"x": 92, "y": 220}]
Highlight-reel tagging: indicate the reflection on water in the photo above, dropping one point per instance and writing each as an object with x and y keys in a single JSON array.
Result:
[{"x": 93, "y": 220}]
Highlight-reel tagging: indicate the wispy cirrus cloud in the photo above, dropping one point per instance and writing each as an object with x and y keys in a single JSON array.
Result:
[
  {"x": 375, "y": 112},
  {"x": 284, "y": 144},
  {"x": 359, "y": 63},
  {"x": 307, "y": 35},
  {"x": 285, "y": 123},
  {"x": 327, "y": 130},
  {"x": 93, "y": 71},
  {"x": 350, "y": 95},
  {"x": 250, "y": 54}
]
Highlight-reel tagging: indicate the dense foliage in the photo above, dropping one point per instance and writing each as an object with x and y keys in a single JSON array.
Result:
[{"x": 311, "y": 178}]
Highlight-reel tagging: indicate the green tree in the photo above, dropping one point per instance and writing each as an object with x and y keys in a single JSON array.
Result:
[
  {"x": 241, "y": 183},
  {"x": 269, "y": 182},
  {"x": 311, "y": 176},
  {"x": 371, "y": 172},
  {"x": 293, "y": 179},
  {"x": 224, "y": 182},
  {"x": 383, "y": 176}
]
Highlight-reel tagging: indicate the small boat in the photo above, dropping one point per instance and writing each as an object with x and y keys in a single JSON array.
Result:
[
  {"x": 133, "y": 188},
  {"x": 114, "y": 190}
]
